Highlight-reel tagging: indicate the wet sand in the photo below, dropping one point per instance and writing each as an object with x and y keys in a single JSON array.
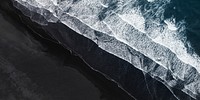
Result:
[{"x": 44, "y": 70}]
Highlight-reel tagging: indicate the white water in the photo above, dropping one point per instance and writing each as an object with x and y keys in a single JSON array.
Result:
[
  {"x": 150, "y": 0},
  {"x": 135, "y": 19}
]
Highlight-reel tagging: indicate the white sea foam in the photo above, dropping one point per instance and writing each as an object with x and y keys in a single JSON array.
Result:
[
  {"x": 150, "y": 0},
  {"x": 169, "y": 35},
  {"x": 171, "y": 24},
  {"x": 173, "y": 38},
  {"x": 43, "y": 2},
  {"x": 134, "y": 18}
]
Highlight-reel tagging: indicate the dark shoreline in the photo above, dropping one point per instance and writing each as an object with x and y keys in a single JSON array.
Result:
[
  {"x": 135, "y": 83},
  {"x": 109, "y": 90}
]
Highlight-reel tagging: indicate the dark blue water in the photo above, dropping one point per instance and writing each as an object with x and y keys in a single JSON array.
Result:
[{"x": 189, "y": 11}]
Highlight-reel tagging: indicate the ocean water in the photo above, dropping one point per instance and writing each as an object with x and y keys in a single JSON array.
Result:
[{"x": 189, "y": 10}]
